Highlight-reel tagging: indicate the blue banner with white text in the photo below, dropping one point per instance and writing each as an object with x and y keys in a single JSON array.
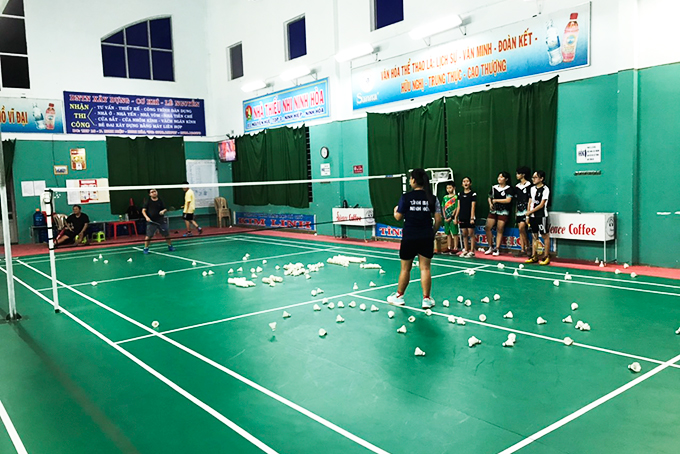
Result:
[{"x": 274, "y": 220}]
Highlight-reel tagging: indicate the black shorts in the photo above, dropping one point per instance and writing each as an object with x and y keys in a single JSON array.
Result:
[
  {"x": 188, "y": 216},
  {"x": 410, "y": 248},
  {"x": 465, "y": 224},
  {"x": 152, "y": 228},
  {"x": 539, "y": 225}
]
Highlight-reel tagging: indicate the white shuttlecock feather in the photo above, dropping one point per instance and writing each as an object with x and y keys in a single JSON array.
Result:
[
  {"x": 508, "y": 315},
  {"x": 446, "y": 303},
  {"x": 567, "y": 319},
  {"x": 473, "y": 341},
  {"x": 411, "y": 319},
  {"x": 402, "y": 330},
  {"x": 419, "y": 352},
  {"x": 362, "y": 306},
  {"x": 541, "y": 321}
]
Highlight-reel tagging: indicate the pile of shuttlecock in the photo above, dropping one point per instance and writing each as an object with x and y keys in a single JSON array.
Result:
[
  {"x": 240, "y": 282},
  {"x": 501, "y": 266},
  {"x": 510, "y": 342},
  {"x": 370, "y": 266},
  {"x": 582, "y": 326}
]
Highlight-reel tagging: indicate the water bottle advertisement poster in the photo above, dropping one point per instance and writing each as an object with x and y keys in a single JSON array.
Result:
[
  {"x": 544, "y": 44},
  {"x": 26, "y": 115}
]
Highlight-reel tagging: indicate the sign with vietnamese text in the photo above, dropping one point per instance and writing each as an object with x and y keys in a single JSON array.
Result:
[
  {"x": 296, "y": 105},
  {"x": 26, "y": 115},
  {"x": 588, "y": 152},
  {"x": 353, "y": 216},
  {"x": 547, "y": 43},
  {"x": 89, "y": 191},
  {"x": 99, "y": 113},
  {"x": 273, "y": 220}
]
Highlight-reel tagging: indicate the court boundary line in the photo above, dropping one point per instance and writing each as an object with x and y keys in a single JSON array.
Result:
[
  {"x": 591, "y": 406},
  {"x": 471, "y": 265},
  {"x": 153, "y": 372},
  {"x": 178, "y": 257},
  {"x": 529, "y": 334},
  {"x": 527, "y": 269},
  {"x": 11, "y": 430},
  {"x": 324, "y": 422}
]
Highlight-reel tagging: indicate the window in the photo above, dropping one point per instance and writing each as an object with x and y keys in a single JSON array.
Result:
[
  {"x": 387, "y": 12},
  {"x": 236, "y": 61},
  {"x": 13, "y": 49},
  {"x": 140, "y": 51},
  {"x": 296, "y": 38}
]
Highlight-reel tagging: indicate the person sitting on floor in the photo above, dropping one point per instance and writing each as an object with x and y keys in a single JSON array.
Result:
[{"x": 75, "y": 230}]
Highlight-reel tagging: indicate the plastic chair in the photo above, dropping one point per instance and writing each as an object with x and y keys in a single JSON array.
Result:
[
  {"x": 99, "y": 236},
  {"x": 222, "y": 211}
]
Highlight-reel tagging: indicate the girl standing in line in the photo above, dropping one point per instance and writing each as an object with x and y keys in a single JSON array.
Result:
[{"x": 465, "y": 217}]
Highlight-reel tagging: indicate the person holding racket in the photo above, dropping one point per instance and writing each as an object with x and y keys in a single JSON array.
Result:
[{"x": 154, "y": 212}]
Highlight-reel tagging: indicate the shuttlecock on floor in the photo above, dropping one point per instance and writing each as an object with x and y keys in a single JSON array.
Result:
[
  {"x": 254, "y": 276},
  {"x": 446, "y": 303},
  {"x": 485, "y": 299},
  {"x": 194, "y": 264},
  {"x": 390, "y": 314},
  {"x": 402, "y": 330},
  {"x": 211, "y": 272},
  {"x": 508, "y": 343},
  {"x": 601, "y": 264},
  {"x": 286, "y": 314},
  {"x": 585, "y": 327},
  {"x": 635, "y": 367},
  {"x": 277, "y": 267},
  {"x": 625, "y": 265},
  {"x": 496, "y": 297},
  {"x": 482, "y": 318},
  {"x": 319, "y": 290},
  {"x": 95, "y": 259},
  {"x": 352, "y": 304},
  {"x": 556, "y": 283},
  {"x": 322, "y": 332},
  {"x": 541, "y": 321},
  {"x": 633, "y": 274},
  {"x": 452, "y": 319},
  {"x": 419, "y": 352},
  {"x": 567, "y": 277},
  {"x": 515, "y": 273},
  {"x": 578, "y": 325},
  {"x": 324, "y": 301},
  {"x": 521, "y": 266},
  {"x": 371, "y": 284},
  {"x": 129, "y": 260},
  {"x": 258, "y": 269},
  {"x": 574, "y": 306},
  {"x": 411, "y": 319},
  {"x": 597, "y": 260},
  {"x": 231, "y": 271},
  {"x": 94, "y": 283},
  {"x": 330, "y": 306},
  {"x": 155, "y": 324},
  {"x": 382, "y": 271},
  {"x": 460, "y": 321},
  {"x": 374, "y": 308},
  {"x": 460, "y": 299},
  {"x": 240, "y": 269},
  {"x": 264, "y": 262},
  {"x": 508, "y": 315},
  {"x": 272, "y": 325},
  {"x": 355, "y": 286},
  {"x": 501, "y": 266},
  {"x": 106, "y": 262},
  {"x": 512, "y": 337},
  {"x": 428, "y": 312},
  {"x": 677, "y": 331},
  {"x": 567, "y": 319},
  {"x": 468, "y": 303},
  {"x": 313, "y": 292},
  {"x": 617, "y": 271},
  {"x": 341, "y": 304},
  {"x": 339, "y": 319},
  {"x": 244, "y": 258},
  {"x": 252, "y": 270},
  {"x": 317, "y": 307},
  {"x": 101, "y": 256},
  {"x": 362, "y": 306},
  {"x": 473, "y": 341},
  {"x": 568, "y": 341},
  {"x": 161, "y": 273}
]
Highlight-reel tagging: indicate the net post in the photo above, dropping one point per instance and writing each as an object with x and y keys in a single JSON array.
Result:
[
  {"x": 47, "y": 197},
  {"x": 4, "y": 209},
  {"x": 403, "y": 183}
]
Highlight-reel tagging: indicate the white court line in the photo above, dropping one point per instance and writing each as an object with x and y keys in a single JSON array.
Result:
[
  {"x": 11, "y": 430},
  {"x": 567, "y": 419},
  {"x": 265, "y": 311},
  {"x": 527, "y": 333},
  {"x": 218, "y": 366},
  {"x": 175, "y": 256},
  {"x": 525, "y": 269},
  {"x": 214, "y": 413},
  {"x": 181, "y": 270}
]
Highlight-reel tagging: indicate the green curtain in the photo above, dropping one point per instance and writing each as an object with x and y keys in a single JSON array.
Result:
[
  {"x": 398, "y": 142},
  {"x": 8, "y": 147},
  {"x": 145, "y": 161},
  {"x": 272, "y": 155},
  {"x": 501, "y": 129}
]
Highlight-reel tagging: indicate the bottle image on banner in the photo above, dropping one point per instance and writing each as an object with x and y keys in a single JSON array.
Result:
[
  {"x": 38, "y": 117},
  {"x": 570, "y": 39},
  {"x": 552, "y": 39},
  {"x": 50, "y": 116}
]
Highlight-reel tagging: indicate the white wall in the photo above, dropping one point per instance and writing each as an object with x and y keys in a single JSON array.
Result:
[{"x": 64, "y": 50}]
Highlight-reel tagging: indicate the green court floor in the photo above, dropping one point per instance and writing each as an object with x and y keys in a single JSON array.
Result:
[{"x": 214, "y": 377}]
